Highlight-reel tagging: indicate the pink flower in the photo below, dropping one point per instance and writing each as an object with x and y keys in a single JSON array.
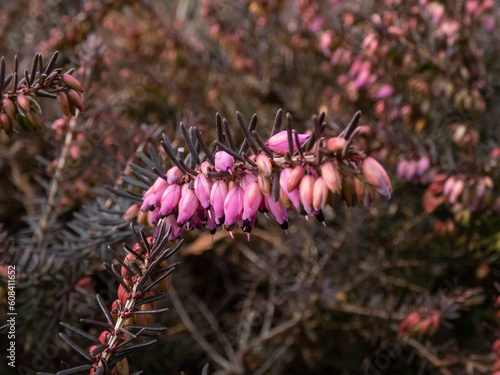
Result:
[
  {"x": 152, "y": 197},
  {"x": 233, "y": 205},
  {"x": 224, "y": 161},
  {"x": 170, "y": 199},
  {"x": 278, "y": 210},
  {"x": 252, "y": 199},
  {"x": 293, "y": 195},
  {"x": 202, "y": 188},
  {"x": 279, "y": 141},
  {"x": 217, "y": 197},
  {"x": 187, "y": 205},
  {"x": 384, "y": 92},
  {"x": 377, "y": 176},
  {"x": 247, "y": 179},
  {"x": 306, "y": 191}
]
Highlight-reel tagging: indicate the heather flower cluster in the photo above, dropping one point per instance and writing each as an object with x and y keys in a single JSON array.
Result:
[
  {"x": 416, "y": 170},
  {"x": 466, "y": 193},
  {"x": 289, "y": 172},
  {"x": 18, "y": 93}
]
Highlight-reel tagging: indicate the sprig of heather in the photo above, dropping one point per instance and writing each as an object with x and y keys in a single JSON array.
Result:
[
  {"x": 227, "y": 185},
  {"x": 18, "y": 92},
  {"x": 143, "y": 280}
]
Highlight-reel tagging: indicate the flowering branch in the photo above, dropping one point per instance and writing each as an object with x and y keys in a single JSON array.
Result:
[
  {"x": 18, "y": 103},
  {"x": 143, "y": 280},
  {"x": 291, "y": 171}
]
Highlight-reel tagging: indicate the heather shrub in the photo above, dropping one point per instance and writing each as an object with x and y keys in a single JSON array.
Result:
[{"x": 329, "y": 168}]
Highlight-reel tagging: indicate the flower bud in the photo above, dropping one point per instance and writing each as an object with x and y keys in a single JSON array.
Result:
[
  {"x": 23, "y": 102},
  {"x": 264, "y": 184},
  {"x": 72, "y": 82},
  {"x": 205, "y": 167},
  {"x": 9, "y": 108},
  {"x": 377, "y": 176},
  {"x": 336, "y": 144},
  {"x": 279, "y": 142},
  {"x": 320, "y": 194},
  {"x": 295, "y": 178},
  {"x": 306, "y": 191},
  {"x": 122, "y": 294},
  {"x": 63, "y": 102},
  {"x": 35, "y": 119},
  {"x": 104, "y": 337},
  {"x": 131, "y": 212},
  {"x": 174, "y": 174},
  {"x": 224, "y": 161},
  {"x": 6, "y": 123},
  {"x": 264, "y": 165},
  {"x": 331, "y": 175},
  {"x": 144, "y": 319},
  {"x": 75, "y": 99}
]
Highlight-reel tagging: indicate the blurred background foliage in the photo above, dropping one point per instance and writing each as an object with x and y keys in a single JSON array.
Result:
[{"x": 406, "y": 286}]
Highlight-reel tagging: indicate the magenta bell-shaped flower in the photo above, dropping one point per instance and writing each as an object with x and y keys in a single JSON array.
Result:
[
  {"x": 251, "y": 201},
  {"x": 278, "y": 210},
  {"x": 218, "y": 197},
  {"x": 224, "y": 161},
  {"x": 279, "y": 141},
  {"x": 170, "y": 199},
  {"x": 188, "y": 205},
  {"x": 233, "y": 205},
  {"x": 152, "y": 197},
  {"x": 247, "y": 179},
  {"x": 202, "y": 189}
]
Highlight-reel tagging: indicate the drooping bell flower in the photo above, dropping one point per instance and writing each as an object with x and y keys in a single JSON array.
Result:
[
  {"x": 233, "y": 205},
  {"x": 170, "y": 199},
  {"x": 188, "y": 204},
  {"x": 152, "y": 197},
  {"x": 217, "y": 198},
  {"x": 278, "y": 210},
  {"x": 306, "y": 191},
  {"x": 252, "y": 199},
  {"x": 202, "y": 189},
  {"x": 320, "y": 194},
  {"x": 247, "y": 179}
]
